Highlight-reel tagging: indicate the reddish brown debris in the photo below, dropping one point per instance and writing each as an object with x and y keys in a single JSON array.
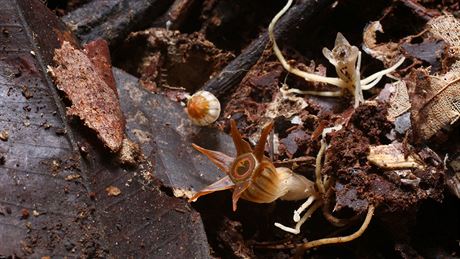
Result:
[
  {"x": 99, "y": 54},
  {"x": 174, "y": 60},
  {"x": 358, "y": 182},
  {"x": 25, "y": 214},
  {"x": 92, "y": 99}
]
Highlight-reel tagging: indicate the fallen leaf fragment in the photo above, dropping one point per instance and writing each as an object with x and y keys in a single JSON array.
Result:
[
  {"x": 92, "y": 99},
  {"x": 386, "y": 52},
  {"x": 399, "y": 100},
  {"x": 447, "y": 28},
  {"x": 430, "y": 51},
  {"x": 391, "y": 157},
  {"x": 113, "y": 191},
  {"x": 435, "y": 101}
]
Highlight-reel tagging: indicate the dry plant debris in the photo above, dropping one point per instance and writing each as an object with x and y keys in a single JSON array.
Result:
[
  {"x": 399, "y": 102},
  {"x": 386, "y": 52},
  {"x": 447, "y": 28},
  {"x": 92, "y": 99},
  {"x": 435, "y": 101},
  {"x": 174, "y": 60},
  {"x": 130, "y": 153},
  {"x": 99, "y": 54}
]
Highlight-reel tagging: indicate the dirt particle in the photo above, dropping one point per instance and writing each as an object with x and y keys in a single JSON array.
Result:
[
  {"x": 35, "y": 213},
  {"x": 130, "y": 153},
  {"x": 25, "y": 213},
  {"x": 4, "y": 135},
  {"x": 60, "y": 131},
  {"x": 46, "y": 125},
  {"x": 6, "y": 32},
  {"x": 92, "y": 195},
  {"x": 26, "y": 92},
  {"x": 84, "y": 149},
  {"x": 113, "y": 191},
  {"x": 72, "y": 177}
]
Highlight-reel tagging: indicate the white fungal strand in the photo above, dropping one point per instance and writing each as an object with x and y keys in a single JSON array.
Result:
[
  {"x": 303, "y": 207},
  {"x": 296, "y": 229}
]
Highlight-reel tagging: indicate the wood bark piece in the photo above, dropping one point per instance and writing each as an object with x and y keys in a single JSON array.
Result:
[
  {"x": 53, "y": 202},
  {"x": 176, "y": 15},
  {"x": 291, "y": 22},
  {"x": 99, "y": 54},
  {"x": 92, "y": 99},
  {"x": 113, "y": 20}
]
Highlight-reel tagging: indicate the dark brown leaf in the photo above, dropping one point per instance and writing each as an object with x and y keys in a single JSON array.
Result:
[
  {"x": 165, "y": 134},
  {"x": 429, "y": 51},
  {"x": 71, "y": 218}
]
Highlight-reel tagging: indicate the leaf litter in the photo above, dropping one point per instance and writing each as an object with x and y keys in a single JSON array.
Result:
[{"x": 368, "y": 159}]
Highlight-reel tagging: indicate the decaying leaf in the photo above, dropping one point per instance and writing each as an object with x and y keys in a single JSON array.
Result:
[
  {"x": 435, "y": 101},
  {"x": 399, "y": 100},
  {"x": 386, "y": 52},
  {"x": 391, "y": 157},
  {"x": 92, "y": 99},
  {"x": 164, "y": 133},
  {"x": 430, "y": 51},
  {"x": 447, "y": 28}
]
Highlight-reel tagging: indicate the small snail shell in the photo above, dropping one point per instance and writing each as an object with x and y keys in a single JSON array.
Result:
[{"x": 203, "y": 108}]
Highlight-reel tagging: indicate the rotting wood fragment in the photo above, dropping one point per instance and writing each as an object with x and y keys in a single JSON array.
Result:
[
  {"x": 113, "y": 20},
  {"x": 99, "y": 54},
  {"x": 92, "y": 100},
  {"x": 174, "y": 60}
]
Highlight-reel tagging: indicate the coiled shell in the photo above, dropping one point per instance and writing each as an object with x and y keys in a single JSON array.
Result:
[{"x": 203, "y": 108}]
